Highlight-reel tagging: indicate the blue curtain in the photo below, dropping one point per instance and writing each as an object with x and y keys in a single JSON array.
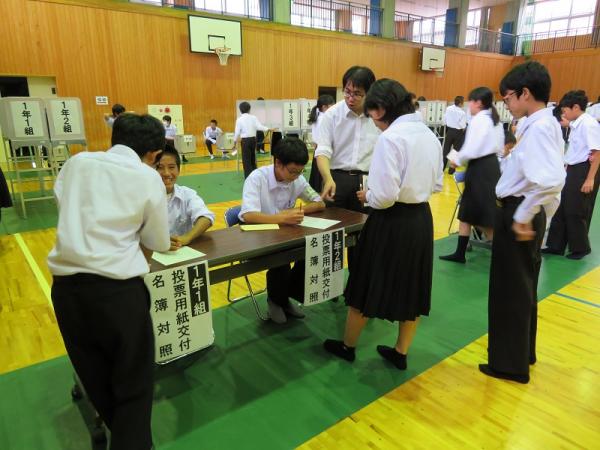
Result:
[
  {"x": 375, "y": 21},
  {"x": 452, "y": 29},
  {"x": 507, "y": 41}
]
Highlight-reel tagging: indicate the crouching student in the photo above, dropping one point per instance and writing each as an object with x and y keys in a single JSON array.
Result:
[
  {"x": 188, "y": 215},
  {"x": 270, "y": 195}
]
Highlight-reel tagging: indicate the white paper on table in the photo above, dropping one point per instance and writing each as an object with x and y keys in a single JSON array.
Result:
[
  {"x": 177, "y": 256},
  {"x": 315, "y": 222},
  {"x": 365, "y": 186},
  {"x": 453, "y": 156}
]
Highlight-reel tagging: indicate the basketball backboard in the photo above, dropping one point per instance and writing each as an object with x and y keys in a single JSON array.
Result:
[
  {"x": 433, "y": 58},
  {"x": 207, "y": 34}
]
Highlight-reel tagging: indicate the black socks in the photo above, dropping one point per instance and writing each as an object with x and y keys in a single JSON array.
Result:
[
  {"x": 392, "y": 355},
  {"x": 339, "y": 349},
  {"x": 459, "y": 254}
]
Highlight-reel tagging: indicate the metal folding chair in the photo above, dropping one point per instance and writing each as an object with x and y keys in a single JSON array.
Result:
[{"x": 232, "y": 219}]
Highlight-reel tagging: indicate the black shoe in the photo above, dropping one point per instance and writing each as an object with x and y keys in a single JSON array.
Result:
[
  {"x": 578, "y": 255},
  {"x": 454, "y": 258},
  {"x": 339, "y": 349},
  {"x": 532, "y": 360},
  {"x": 487, "y": 370},
  {"x": 393, "y": 356},
  {"x": 184, "y": 159},
  {"x": 551, "y": 251}
]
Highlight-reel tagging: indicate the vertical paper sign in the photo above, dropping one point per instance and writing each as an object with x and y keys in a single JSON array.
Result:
[
  {"x": 290, "y": 115},
  {"x": 180, "y": 310},
  {"x": 307, "y": 106},
  {"x": 27, "y": 118},
  {"x": 324, "y": 264},
  {"x": 441, "y": 109},
  {"x": 431, "y": 112},
  {"x": 66, "y": 117}
]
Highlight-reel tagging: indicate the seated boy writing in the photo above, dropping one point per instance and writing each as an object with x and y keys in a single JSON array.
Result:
[
  {"x": 188, "y": 215},
  {"x": 270, "y": 195}
]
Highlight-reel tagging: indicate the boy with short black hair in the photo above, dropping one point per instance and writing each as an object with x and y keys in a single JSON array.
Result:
[
  {"x": 456, "y": 124},
  {"x": 246, "y": 127},
  {"x": 117, "y": 110},
  {"x": 270, "y": 195},
  {"x": 211, "y": 134}
]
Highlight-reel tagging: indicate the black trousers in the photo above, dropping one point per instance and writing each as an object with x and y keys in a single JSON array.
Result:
[
  {"x": 512, "y": 301},
  {"x": 209, "y": 145},
  {"x": 107, "y": 331},
  {"x": 260, "y": 140},
  {"x": 454, "y": 138},
  {"x": 315, "y": 180},
  {"x": 284, "y": 282},
  {"x": 571, "y": 223},
  {"x": 248, "y": 155}
]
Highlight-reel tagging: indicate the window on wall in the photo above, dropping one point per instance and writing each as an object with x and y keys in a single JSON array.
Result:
[
  {"x": 558, "y": 18},
  {"x": 430, "y": 30},
  {"x": 473, "y": 23}
]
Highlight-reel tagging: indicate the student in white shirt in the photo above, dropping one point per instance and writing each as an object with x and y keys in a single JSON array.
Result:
[
  {"x": 270, "y": 195},
  {"x": 324, "y": 102},
  {"x": 391, "y": 275},
  {"x": 117, "y": 110},
  {"x": 211, "y": 134},
  {"x": 483, "y": 142},
  {"x": 246, "y": 127},
  {"x": 188, "y": 215},
  {"x": 594, "y": 110},
  {"x": 570, "y": 225},
  {"x": 418, "y": 113},
  {"x": 456, "y": 124},
  {"x": 110, "y": 205},
  {"x": 527, "y": 190},
  {"x": 171, "y": 132}
]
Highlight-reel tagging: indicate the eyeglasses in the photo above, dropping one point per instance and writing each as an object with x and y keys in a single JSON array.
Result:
[
  {"x": 356, "y": 95},
  {"x": 507, "y": 97},
  {"x": 294, "y": 172}
]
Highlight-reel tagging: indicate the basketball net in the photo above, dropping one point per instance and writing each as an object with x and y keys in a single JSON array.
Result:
[
  {"x": 223, "y": 54},
  {"x": 439, "y": 73}
]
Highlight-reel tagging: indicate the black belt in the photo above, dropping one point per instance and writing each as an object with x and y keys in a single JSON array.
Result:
[
  {"x": 351, "y": 172},
  {"x": 502, "y": 202}
]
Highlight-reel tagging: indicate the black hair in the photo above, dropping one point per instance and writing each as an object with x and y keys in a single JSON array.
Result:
[
  {"x": 509, "y": 138},
  {"x": 486, "y": 96},
  {"x": 417, "y": 105},
  {"x": 169, "y": 150},
  {"x": 359, "y": 76},
  {"x": 531, "y": 75},
  {"x": 573, "y": 98},
  {"x": 323, "y": 100},
  {"x": 557, "y": 113},
  {"x": 291, "y": 150},
  {"x": 459, "y": 100},
  {"x": 142, "y": 133},
  {"x": 214, "y": 120},
  {"x": 167, "y": 118},
  {"x": 117, "y": 109},
  {"x": 260, "y": 98},
  {"x": 421, "y": 99},
  {"x": 244, "y": 107},
  {"x": 391, "y": 96}
]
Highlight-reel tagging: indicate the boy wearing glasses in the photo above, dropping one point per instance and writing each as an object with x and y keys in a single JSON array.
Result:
[{"x": 270, "y": 195}]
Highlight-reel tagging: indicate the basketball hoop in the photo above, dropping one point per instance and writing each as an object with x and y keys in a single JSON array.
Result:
[{"x": 223, "y": 54}]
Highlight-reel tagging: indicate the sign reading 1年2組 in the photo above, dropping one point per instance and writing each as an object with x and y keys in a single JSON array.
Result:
[
  {"x": 324, "y": 265},
  {"x": 180, "y": 310}
]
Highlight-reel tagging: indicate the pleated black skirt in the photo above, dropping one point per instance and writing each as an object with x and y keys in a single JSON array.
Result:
[
  {"x": 478, "y": 202},
  {"x": 390, "y": 277}
]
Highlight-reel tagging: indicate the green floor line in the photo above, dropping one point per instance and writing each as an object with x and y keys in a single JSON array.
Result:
[{"x": 263, "y": 386}]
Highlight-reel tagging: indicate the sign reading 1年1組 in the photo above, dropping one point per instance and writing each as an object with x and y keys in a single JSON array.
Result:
[
  {"x": 324, "y": 265},
  {"x": 180, "y": 310}
]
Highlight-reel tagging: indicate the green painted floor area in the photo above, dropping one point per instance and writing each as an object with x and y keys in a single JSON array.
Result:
[{"x": 263, "y": 386}]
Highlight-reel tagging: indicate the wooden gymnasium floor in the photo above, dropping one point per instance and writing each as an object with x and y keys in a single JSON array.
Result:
[{"x": 264, "y": 387}]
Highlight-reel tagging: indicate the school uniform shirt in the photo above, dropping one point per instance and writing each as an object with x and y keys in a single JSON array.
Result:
[
  {"x": 419, "y": 116},
  {"x": 482, "y": 138},
  {"x": 109, "y": 121},
  {"x": 184, "y": 208},
  {"x": 407, "y": 164},
  {"x": 584, "y": 137},
  {"x": 170, "y": 132},
  {"x": 456, "y": 117},
  {"x": 314, "y": 128},
  {"x": 535, "y": 169},
  {"x": 346, "y": 139},
  {"x": 264, "y": 194},
  {"x": 211, "y": 134},
  {"x": 246, "y": 126},
  {"x": 109, "y": 203},
  {"x": 594, "y": 111}
]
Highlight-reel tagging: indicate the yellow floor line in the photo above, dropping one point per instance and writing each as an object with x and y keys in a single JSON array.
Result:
[{"x": 37, "y": 272}]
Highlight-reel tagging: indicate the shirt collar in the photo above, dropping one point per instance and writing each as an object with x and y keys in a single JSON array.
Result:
[
  {"x": 406, "y": 118},
  {"x": 577, "y": 121},
  {"x": 123, "y": 150},
  {"x": 272, "y": 181},
  {"x": 542, "y": 113},
  {"x": 177, "y": 192},
  {"x": 349, "y": 113}
]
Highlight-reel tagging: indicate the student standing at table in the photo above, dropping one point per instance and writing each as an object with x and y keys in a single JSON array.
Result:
[
  {"x": 315, "y": 118},
  {"x": 188, "y": 215},
  {"x": 456, "y": 124},
  {"x": 270, "y": 195},
  {"x": 245, "y": 127},
  {"x": 527, "y": 191},
  {"x": 211, "y": 134},
  {"x": 117, "y": 110},
  {"x": 391, "y": 274},
  {"x": 110, "y": 204},
  {"x": 483, "y": 142},
  {"x": 571, "y": 223}
]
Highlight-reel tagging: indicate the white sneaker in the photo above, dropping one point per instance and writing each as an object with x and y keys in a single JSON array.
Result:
[
  {"x": 233, "y": 153},
  {"x": 212, "y": 156}
]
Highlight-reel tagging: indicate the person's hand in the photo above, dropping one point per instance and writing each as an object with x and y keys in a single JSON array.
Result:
[
  {"x": 177, "y": 242},
  {"x": 328, "y": 192},
  {"x": 588, "y": 186},
  {"x": 453, "y": 164},
  {"x": 291, "y": 216},
  {"x": 523, "y": 231},
  {"x": 361, "y": 196},
  {"x": 593, "y": 156}
]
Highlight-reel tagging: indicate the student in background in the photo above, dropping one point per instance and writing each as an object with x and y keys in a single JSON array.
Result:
[
  {"x": 456, "y": 124},
  {"x": 246, "y": 127},
  {"x": 484, "y": 140},
  {"x": 110, "y": 205},
  {"x": 391, "y": 274},
  {"x": 570, "y": 225},
  {"x": 211, "y": 134},
  {"x": 418, "y": 113},
  {"x": 509, "y": 143},
  {"x": 117, "y": 110},
  {"x": 260, "y": 137},
  {"x": 324, "y": 102},
  {"x": 527, "y": 190},
  {"x": 270, "y": 195},
  {"x": 188, "y": 215},
  {"x": 594, "y": 110}
]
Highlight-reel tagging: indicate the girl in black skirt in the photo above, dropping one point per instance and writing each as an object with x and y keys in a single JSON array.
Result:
[
  {"x": 391, "y": 274},
  {"x": 483, "y": 142},
  {"x": 324, "y": 102}
]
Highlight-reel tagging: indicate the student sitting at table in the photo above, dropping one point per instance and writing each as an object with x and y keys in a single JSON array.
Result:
[
  {"x": 188, "y": 215},
  {"x": 270, "y": 195}
]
